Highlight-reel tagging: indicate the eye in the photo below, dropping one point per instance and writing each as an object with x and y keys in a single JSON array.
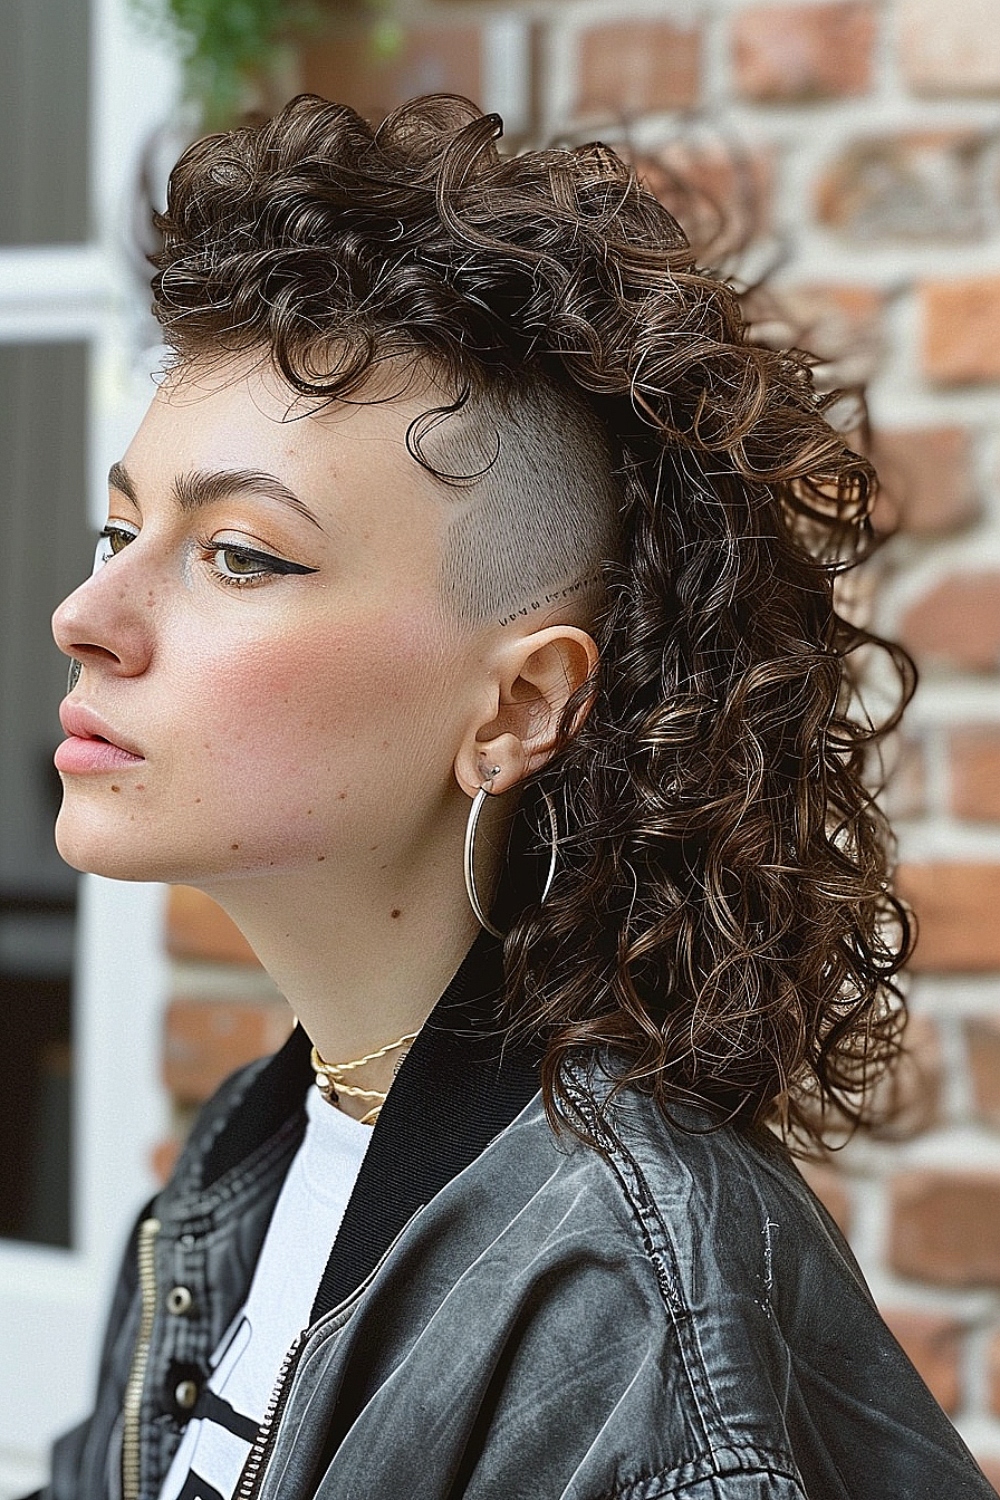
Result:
[
  {"x": 244, "y": 566},
  {"x": 233, "y": 562},
  {"x": 111, "y": 541}
]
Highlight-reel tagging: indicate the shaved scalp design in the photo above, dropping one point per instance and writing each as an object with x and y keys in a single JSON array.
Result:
[
  {"x": 612, "y": 443},
  {"x": 535, "y": 503}
]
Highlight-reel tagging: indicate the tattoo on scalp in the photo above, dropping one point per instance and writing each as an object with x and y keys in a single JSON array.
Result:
[{"x": 554, "y": 596}]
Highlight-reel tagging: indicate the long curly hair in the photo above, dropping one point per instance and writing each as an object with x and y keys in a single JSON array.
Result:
[{"x": 722, "y": 927}]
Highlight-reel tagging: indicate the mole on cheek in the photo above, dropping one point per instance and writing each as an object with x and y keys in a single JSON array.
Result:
[
  {"x": 395, "y": 912},
  {"x": 234, "y": 846},
  {"x": 116, "y": 788}
]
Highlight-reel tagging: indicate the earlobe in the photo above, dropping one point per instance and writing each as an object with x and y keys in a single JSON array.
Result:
[{"x": 496, "y": 762}]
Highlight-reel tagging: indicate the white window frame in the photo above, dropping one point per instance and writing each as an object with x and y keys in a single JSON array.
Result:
[{"x": 52, "y": 1300}]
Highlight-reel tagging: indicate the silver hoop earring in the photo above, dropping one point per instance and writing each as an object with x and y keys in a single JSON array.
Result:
[{"x": 478, "y": 802}]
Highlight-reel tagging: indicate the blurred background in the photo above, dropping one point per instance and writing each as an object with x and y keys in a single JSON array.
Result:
[{"x": 850, "y": 151}]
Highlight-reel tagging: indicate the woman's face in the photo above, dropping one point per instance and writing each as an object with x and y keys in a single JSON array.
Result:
[{"x": 292, "y": 689}]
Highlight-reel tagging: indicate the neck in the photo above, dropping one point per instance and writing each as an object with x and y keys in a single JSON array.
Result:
[{"x": 360, "y": 962}]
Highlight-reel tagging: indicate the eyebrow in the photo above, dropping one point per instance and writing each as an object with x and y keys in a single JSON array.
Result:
[{"x": 207, "y": 486}]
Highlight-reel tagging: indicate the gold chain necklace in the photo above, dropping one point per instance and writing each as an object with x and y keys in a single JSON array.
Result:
[{"x": 331, "y": 1082}]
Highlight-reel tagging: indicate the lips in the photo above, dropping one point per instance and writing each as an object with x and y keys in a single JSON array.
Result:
[{"x": 92, "y": 746}]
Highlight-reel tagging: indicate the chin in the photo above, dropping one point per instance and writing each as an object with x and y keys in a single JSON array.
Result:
[
  {"x": 103, "y": 851},
  {"x": 86, "y": 856}
]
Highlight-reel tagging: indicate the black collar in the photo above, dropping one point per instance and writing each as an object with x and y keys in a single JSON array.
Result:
[{"x": 459, "y": 1086}]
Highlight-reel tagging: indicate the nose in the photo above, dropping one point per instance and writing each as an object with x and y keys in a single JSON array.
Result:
[{"x": 99, "y": 624}]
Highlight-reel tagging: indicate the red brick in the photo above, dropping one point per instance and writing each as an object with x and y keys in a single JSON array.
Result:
[
  {"x": 926, "y": 479},
  {"x": 957, "y": 622},
  {"x": 923, "y": 185},
  {"x": 831, "y": 1189},
  {"x": 838, "y": 322},
  {"x": 205, "y": 1040},
  {"x": 909, "y": 1098},
  {"x": 993, "y": 1371},
  {"x": 974, "y": 762},
  {"x": 990, "y": 1465},
  {"x": 951, "y": 49},
  {"x": 905, "y": 793},
  {"x": 961, "y": 329},
  {"x": 722, "y": 196},
  {"x": 956, "y": 906},
  {"x": 198, "y": 928},
  {"x": 795, "y": 53},
  {"x": 350, "y": 67},
  {"x": 163, "y": 1158},
  {"x": 982, "y": 1040},
  {"x": 934, "y": 1344},
  {"x": 945, "y": 1227},
  {"x": 628, "y": 68}
]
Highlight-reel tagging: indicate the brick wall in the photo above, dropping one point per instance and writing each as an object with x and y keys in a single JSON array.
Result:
[{"x": 872, "y": 132}]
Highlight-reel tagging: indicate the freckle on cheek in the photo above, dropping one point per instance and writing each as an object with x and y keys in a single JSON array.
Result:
[
  {"x": 140, "y": 786},
  {"x": 395, "y": 912},
  {"x": 116, "y": 788},
  {"x": 320, "y": 858},
  {"x": 234, "y": 846}
]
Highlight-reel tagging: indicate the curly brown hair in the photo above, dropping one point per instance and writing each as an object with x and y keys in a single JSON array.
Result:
[{"x": 722, "y": 927}]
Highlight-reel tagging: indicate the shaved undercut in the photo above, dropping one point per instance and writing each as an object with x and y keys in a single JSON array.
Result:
[{"x": 527, "y": 469}]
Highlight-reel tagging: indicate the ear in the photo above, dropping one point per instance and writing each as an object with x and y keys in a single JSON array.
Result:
[{"x": 539, "y": 673}]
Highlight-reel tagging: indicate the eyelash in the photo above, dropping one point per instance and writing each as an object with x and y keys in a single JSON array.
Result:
[{"x": 271, "y": 566}]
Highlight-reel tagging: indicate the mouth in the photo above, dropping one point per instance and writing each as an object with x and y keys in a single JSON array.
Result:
[{"x": 92, "y": 744}]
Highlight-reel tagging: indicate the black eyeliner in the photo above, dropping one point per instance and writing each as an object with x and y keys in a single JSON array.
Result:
[{"x": 279, "y": 564}]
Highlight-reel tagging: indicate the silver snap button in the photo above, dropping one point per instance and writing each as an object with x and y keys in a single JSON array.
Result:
[
  {"x": 186, "y": 1394},
  {"x": 179, "y": 1301}
]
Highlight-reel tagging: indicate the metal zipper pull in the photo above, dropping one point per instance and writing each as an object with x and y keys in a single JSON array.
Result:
[{"x": 132, "y": 1404}]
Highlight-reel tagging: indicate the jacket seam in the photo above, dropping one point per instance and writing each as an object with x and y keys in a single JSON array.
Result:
[
  {"x": 658, "y": 1248},
  {"x": 706, "y": 1466}
]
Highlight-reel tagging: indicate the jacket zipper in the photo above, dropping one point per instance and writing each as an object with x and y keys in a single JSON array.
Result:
[
  {"x": 253, "y": 1470},
  {"x": 132, "y": 1404},
  {"x": 252, "y": 1477}
]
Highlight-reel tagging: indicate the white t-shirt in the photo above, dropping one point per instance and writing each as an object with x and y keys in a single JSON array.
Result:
[{"x": 245, "y": 1365}]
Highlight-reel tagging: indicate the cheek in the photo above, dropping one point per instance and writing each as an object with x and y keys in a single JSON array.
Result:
[{"x": 345, "y": 704}]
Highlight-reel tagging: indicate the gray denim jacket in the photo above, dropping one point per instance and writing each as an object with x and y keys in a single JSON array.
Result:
[{"x": 512, "y": 1315}]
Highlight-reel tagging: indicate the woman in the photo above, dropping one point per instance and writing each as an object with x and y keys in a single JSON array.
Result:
[{"x": 465, "y": 481}]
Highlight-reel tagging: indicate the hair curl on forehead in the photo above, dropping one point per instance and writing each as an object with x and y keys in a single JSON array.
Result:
[{"x": 722, "y": 927}]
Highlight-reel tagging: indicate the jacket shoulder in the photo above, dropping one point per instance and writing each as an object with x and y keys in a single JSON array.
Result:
[{"x": 783, "y": 1346}]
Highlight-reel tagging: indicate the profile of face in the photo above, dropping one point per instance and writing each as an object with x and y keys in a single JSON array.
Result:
[{"x": 264, "y": 631}]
